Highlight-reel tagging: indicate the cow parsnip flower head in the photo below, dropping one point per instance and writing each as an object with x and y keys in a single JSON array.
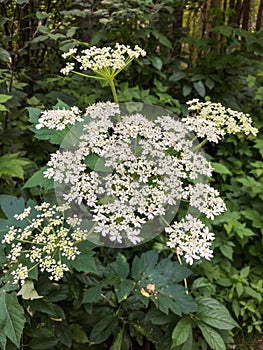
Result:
[
  {"x": 59, "y": 119},
  {"x": 47, "y": 241},
  {"x": 213, "y": 121},
  {"x": 151, "y": 165},
  {"x": 106, "y": 62}
]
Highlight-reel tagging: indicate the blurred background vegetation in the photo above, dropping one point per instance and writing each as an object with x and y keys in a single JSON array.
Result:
[{"x": 209, "y": 50}]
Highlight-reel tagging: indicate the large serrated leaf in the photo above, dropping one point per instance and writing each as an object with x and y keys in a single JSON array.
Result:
[
  {"x": 213, "y": 313},
  {"x": 13, "y": 314},
  {"x": 38, "y": 179},
  {"x": 85, "y": 262},
  {"x": 92, "y": 295},
  {"x": 159, "y": 283}
]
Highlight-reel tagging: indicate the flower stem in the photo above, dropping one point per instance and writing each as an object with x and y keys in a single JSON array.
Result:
[
  {"x": 201, "y": 144},
  {"x": 114, "y": 93},
  {"x": 113, "y": 90}
]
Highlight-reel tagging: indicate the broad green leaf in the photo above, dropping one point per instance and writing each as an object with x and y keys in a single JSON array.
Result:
[
  {"x": 143, "y": 264},
  {"x": 78, "y": 334},
  {"x": 38, "y": 179},
  {"x": 164, "y": 277},
  {"x": 2, "y": 341},
  {"x": 54, "y": 136},
  {"x": 117, "y": 273},
  {"x": 123, "y": 289},
  {"x": 92, "y": 295},
  {"x": 12, "y": 205},
  {"x": 28, "y": 291},
  {"x": 177, "y": 76},
  {"x": 156, "y": 62},
  {"x": 43, "y": 338},
  {"x": 12, "y": 166},
  {"x": 162, "y": 39},
  {"x": 117, "y": 344},
  {"x": 213, "y": 313},
  {"x": 209, "y": 83},
  {"x": 94, "y": 162},
  {"x": 63, "y": 332},
  {"x": 4, "y": 55},
  {"x": 187, "y": 89},
  {"x": 85, "y": 262},
  {"x": 3, "y": 97},
  {"x": 199, "y": 88},
  {"x": 212, "y": 337},
  {"x": 181, "y": 331},
  {"x": 103, "y": 329},
  {"x": 13, "y": 314},
  {"x": 3, "y": 108},
  {"x": 221, "y": 168}
]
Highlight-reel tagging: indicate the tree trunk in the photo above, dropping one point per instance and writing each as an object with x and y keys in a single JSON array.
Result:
[
  {"x": 246, "y": 12},
  {"x": 259, "y": 23}
]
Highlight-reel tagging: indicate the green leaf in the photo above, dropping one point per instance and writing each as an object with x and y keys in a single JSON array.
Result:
[
  {"x": 117, "y": 273},
  {"x": 2, "y": 341},
  {"x": 117, "y": 344},
  {"x": 103, "y": 329},
  {"x": 164, "y": 276},
  {"x": 63, "y": 332},
  {"x": 221, "y": 168},
  {"x": 162, "y": 39},
  {"x": 4, "y": 55},
  {"x": 78, "y": 334},
  {"x": 28, "y": 291},
  {"x": 212, "y": 337},
  {"x": 54, "y": 136},
  {"x": 92, "y": 295},
  {"x": 38, "y": 179},
  {"x": 85, "y": 262},
  {"x": 181, "y": 331},
  {"x": 177, "y": 76},
  {"x": 213, "y": 313},
  {"x": 13, "y": 314},
  {"x": 43, "y": 338},
  {"x": 187, "y": 90},
  {"x": 156, "y": 62},
  {"x": 94, "y": 162},
  {"x": 12, "y": 166},
  {"x": 4, "y": 98},
  {"x": 199, "y": 88},
  {"x": 123, "y": 288}
]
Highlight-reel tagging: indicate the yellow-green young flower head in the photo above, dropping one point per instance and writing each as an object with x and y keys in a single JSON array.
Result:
[{"x": 105, "y": 62}]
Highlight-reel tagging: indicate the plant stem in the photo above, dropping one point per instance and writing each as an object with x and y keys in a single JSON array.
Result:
[
  {"x": 185, "y": 280},
  {"x": 201, "y": 144},
  {"x": 114, "y": 93}
]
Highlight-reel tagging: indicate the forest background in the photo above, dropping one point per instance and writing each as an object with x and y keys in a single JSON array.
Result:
[{"x": 210, "y": 50}]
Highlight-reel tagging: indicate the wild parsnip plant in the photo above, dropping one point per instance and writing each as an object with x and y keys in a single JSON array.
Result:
[
  {"x": 121, "y": 179},
  {"x": 151, "y": 165}
]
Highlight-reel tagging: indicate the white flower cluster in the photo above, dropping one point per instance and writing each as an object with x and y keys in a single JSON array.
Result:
[
  {"x": 191, "y": 238},
  {"x": 104, "y": 60},
  {"x": 213, "y": 121},
  {"x": 59, "y": 118},
  {"x": 45, "y": 242},
  {"x": 150, "y": 165}
]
